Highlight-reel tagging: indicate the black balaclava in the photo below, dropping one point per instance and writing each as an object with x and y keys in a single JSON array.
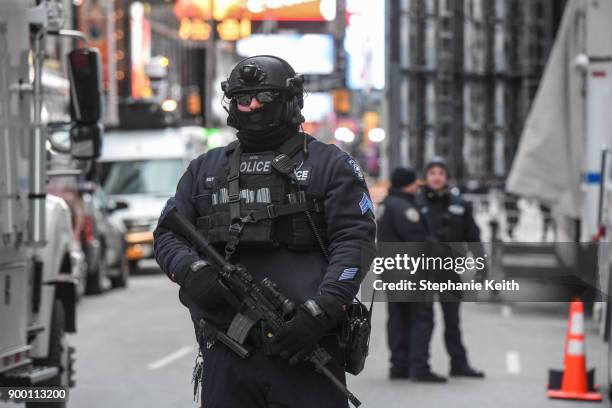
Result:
[
  {"x": 276, "y": 121},
  {"x": 262, "y": 129}
]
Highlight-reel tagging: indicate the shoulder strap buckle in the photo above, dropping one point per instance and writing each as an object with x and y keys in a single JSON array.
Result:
[
  {"x": 271, "y": 209},
  {"x": 317, "y": 206}
]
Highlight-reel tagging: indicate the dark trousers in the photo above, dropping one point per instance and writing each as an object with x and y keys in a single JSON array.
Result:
[
  {"x": 399, "y": 325},
  {"x": 421, "y": 329},
  {"x": 452, "y": 335},
  {"x": 420, "y": 337},
  {"x": 265, "y": 382}
]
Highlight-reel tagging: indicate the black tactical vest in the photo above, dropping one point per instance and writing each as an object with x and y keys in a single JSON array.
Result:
[{"x": 257, "y": 202}]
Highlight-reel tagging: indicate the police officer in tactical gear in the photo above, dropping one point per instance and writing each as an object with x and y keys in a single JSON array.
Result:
[
  {"x": 399, "y": 220},
  {"x": 287, "y": 207},
  {"x": 450, "y": 219}
]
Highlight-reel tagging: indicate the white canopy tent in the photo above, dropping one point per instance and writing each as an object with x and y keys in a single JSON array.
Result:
[{"x": 548, "y": 163}]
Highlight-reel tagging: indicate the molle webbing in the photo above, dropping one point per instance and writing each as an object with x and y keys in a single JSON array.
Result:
[{"x": 262, "y": 210}]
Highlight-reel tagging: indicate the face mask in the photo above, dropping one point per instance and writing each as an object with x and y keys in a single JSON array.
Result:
[{"x": 263, "y": 128}]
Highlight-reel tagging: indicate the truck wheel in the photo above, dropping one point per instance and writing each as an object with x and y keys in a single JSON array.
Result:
[
  {"x": 121, "y": 280},
  {"x": 60, "y": 355}
]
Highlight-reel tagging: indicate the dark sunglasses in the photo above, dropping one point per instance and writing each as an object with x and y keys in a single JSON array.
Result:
[{"x": 262, "y": 97}]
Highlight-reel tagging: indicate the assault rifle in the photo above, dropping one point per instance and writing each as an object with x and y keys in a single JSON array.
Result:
[{"x": 256, "y": 303}]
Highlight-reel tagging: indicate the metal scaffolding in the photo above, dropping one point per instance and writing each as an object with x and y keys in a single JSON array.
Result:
[{"x": 464, "y": 73}]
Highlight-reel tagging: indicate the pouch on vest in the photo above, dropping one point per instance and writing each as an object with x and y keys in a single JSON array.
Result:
[{"x": 272, "y": 208}]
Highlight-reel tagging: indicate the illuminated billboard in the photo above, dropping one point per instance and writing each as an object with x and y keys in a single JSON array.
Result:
[
  {"x": 292, "y": 10},
  {"x": 318, "y": 60},
  {"x": 258, "y": 10},
  {"x": 318, "y": 106},
  {"x": 365, "y": 44}
]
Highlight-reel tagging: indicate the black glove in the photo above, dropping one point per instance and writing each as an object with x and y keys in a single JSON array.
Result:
[
  {"x": 201, "y": 283},
  {"x": 313, "y": 320}
]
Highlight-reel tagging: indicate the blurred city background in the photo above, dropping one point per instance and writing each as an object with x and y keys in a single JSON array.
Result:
[{"x": 393, "y": 83}]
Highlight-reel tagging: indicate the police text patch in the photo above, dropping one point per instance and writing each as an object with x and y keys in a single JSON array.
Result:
[
  {"x": 256, "y": 164},
  {"x": 209, "y": 181},
  {"x": 355, "y": 167},
  {"x": 302, "y": 174}
]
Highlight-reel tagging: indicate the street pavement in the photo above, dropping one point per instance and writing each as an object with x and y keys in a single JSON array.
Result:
[{"x": 135, "y": 348}]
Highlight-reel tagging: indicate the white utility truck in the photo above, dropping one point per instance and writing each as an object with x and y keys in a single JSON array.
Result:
[{"x": 37, "y": 283}]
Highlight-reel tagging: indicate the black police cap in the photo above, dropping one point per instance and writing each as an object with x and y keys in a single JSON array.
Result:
[{"x": 403, "y": 176}]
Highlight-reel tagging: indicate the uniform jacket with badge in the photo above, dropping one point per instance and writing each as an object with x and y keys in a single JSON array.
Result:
[
  {"x": 450, "y": 220},
  {"x": 400, "y": 221},
  {"x": 448, "y": 216},
  {"x": 281, "y": 244}
]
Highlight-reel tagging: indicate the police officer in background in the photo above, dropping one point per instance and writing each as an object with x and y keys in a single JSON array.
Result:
[
  {"x": 399, "y": 221},
  {"x": 450, "y": 219},
  {"x": 287, "y": 207}
]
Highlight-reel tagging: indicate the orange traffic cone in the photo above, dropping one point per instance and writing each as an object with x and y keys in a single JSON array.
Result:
[{"x": 574, "y": 382}]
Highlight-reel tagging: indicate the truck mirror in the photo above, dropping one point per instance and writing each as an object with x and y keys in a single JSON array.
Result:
[
  {"x": 86, "y": 85},
  {"x": 86, "y": 141}
]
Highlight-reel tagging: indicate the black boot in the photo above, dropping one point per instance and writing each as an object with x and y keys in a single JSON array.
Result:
[
  {"x": 428, "y": 377},
  {"x": 399, "y": 373},
  {"x": 466, "y": 371}
]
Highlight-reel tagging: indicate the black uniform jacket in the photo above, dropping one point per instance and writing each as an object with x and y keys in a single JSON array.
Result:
[
  {"x": 327, "y": 172},
  {"x": 399, "y": 219},
  {"x": 450, "y": 220}
]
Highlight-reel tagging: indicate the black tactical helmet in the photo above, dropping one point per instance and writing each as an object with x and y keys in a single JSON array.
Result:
[
  {"x": 263, "y": 72},
  {"x": 266, "y": 73}
]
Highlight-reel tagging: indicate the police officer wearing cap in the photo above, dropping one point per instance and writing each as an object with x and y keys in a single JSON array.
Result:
[
  {"x": 399, "y": 220},
  {"x": 287, "y": 207},
  {"x": 450, "y": 219}
]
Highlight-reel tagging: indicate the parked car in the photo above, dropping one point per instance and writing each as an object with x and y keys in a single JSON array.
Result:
[
  {"x": 100, "y": 240},
  {"x": 104, "y": 238}
]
